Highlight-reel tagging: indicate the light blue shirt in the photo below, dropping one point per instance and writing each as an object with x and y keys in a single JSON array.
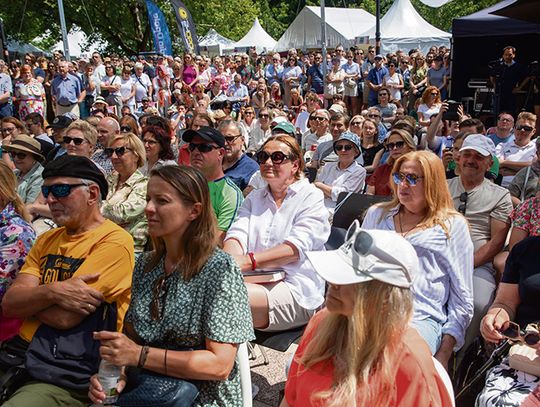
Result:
[
  {"x": 67, "y": 90},
  {"x": 5, "y": 84},
  {"x": 443, "y": 290},
  {"x": 270, "y": 72},
  {"x": 240, "y": 91}
]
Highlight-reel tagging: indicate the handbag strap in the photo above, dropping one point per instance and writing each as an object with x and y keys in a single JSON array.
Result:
[{"x": 339, "y": 205}]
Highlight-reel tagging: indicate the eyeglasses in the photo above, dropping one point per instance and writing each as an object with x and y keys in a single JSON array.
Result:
[
  {"x": 119, "y": 151},
  {"x": 383, "y": 94},
  {"x": 17, "y": 154},
  {"x": 150, "y": 142},
  {"x": 264, "y": 116},
  {"x": 319, "y": 118},
  {"x": 277, "y": 157},
  {"x": 202, "y": 147},
  {"x": 230, "y": 139},
  {"x": 249, "y": 112},
  {"x": 343, "y": 147},
  {"x": 397, "y": 144},
  {"x": 399, "y": 178},
  {"x": 504, "y": 119},
  {"x": 8, "y": 130},
  {"x": 373, "y": 116},
  {"x": 513, "y": 331},
  {"x": 524, "y": 128},
  {"x": 58, "y": 190},
  {"x": 356, "y": 124},
  {"x": 391, "y": 66},
  {"x": 125, "y": 129},
  {"x": 77, "y": 141},
  {"x": 434, "y": 94},
  {"x": 463, "y": 198}
]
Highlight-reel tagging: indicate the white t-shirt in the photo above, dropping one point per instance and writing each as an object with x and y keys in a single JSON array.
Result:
[
  {"x": 142, "y": 85},
  {"x": 126, "y": 85},
  {"x": 429, "y": 111},
  {"x": 510, "y": 151}
]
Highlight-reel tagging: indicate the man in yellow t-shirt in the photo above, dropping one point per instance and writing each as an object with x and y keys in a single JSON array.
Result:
[{"x": 70, "y": 270}]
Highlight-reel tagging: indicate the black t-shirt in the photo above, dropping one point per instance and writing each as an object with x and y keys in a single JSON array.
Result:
[{"x": 522, "y": 267}]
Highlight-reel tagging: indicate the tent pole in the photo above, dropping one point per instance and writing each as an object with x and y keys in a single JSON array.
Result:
[
  {"x": 3, "y": 41},
  {"x": 64, "y": 31},
  {"x": 323, "y": 40},
  {"x": 378, "y": 26}
]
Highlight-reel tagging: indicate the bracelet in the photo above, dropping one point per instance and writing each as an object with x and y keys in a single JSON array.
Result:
[
  {"x": 143, "y": 355},
  {"x": 165, "y": 362},
  {"x": 253, "y": 261}
]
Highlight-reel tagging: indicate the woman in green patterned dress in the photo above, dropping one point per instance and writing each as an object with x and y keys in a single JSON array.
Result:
[{"x": 187, "y": 293}]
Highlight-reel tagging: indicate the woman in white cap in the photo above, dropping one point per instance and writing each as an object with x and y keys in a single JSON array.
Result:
[
  {"x": 344, "y": 175},
  {"x": 360, "y": 350}
]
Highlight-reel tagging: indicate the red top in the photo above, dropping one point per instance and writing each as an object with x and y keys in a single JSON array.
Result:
[
  {"x": 417, "y": 382},
  {"x": 183, "y": 155},
  {"x": 380, "y": 179}
]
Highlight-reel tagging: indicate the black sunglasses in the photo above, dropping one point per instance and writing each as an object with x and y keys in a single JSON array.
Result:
[
  {"x": 512, "y": 331},
  {"x": 58, "y": 190},
  {"x": 397, "y": 144},
  {"x": 277, "y": 157},
  {"x": 463, "y": 198},
  {"x": 524, "y": 128},
  {"x": 76, "y": 141},
  {"x": 18, "y": 154},
  {"x": 202, "y": 147},
  {"x": 125, "y": 129},
  {"x": 264, "y": 116},
  {"x": 345, "y": 147},
  {"x": 230, "y": 139},
  {"x": 119, "y": 151},
  {"x": 319, "y": 118}
]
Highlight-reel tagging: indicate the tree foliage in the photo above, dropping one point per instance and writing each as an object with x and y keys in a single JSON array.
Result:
[{"x": 124, "y": 25}]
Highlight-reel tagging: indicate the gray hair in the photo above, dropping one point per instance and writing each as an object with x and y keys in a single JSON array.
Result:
[{"x": 228, "y": 123}]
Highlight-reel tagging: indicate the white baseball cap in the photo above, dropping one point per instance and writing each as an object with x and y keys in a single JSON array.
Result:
[
  {"x": 480, "y": 143},
  {"x": 368, "y": 255}
]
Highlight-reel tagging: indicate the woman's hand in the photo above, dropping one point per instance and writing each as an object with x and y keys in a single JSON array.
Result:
[
  {"x": 491, "y": 324},
  {"x": 96, "y": 393},
  {"x": 117, "y": 348}
]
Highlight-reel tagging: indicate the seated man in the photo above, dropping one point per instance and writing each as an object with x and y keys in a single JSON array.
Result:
[
  {"x": 236, "y": 164},
  {"x": 207, "y": 147},
  {"x": 69, "y": 272},
  {"x": 487, "y": 208}
]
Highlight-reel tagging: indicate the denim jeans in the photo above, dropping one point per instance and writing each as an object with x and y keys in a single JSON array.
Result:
[{"x": 431, "y": 331}]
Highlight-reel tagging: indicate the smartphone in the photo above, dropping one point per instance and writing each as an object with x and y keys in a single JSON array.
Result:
[{"x": 452, "y": 112}]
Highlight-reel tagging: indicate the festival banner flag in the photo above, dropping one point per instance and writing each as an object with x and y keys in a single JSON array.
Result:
[
  {"x": 160, "y": 30},
  {"x": 186, "y": 26}
]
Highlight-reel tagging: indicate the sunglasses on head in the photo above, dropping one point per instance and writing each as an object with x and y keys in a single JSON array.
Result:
[
  {"x": 397, "y": 144},
  {"x": 17, "y": 154},
  {"x": 399, "y": 178},
  {"x": 277, "y": 157},
  {"x": 58, "y": 190},
  {"x": 119, "y": 151},
  {"x": 202, "y": 147},
  {"x": 463, "y": 198},
  {"x": 343, "y": 147},
  {"x": 524, "y": 128},
  {"x": 76, "y": 141}
]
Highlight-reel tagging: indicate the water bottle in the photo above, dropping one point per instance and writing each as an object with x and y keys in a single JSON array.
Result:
[{"x": 109, "y": 375}]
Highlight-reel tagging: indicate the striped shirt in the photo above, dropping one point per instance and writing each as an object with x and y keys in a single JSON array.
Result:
[{"x": 444, "y": 290}]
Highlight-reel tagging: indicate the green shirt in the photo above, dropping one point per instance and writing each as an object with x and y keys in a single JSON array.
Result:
[{"x": 226, "y": 199}]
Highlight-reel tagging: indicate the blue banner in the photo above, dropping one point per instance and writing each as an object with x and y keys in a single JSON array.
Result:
[
  {"x": 186, "y": 26},
  {"x": 160, "y": 30}
]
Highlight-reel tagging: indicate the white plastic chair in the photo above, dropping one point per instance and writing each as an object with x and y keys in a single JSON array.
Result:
[
  {"x": 245, "y": 374},
  {"x": 446, "y": 379}
]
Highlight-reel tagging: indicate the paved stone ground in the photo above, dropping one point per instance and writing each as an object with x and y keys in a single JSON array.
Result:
[{"x": 270, "y": 378}]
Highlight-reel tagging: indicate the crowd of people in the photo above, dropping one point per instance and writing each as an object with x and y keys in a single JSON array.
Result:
[{"x": 187, "y": 201}]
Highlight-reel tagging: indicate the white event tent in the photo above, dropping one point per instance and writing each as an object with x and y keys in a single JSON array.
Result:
[
  {"x": 214, "y": 43},
  {"x": 78, "y": 44},
  {"x": 403, "y": 28},
  {"x": 343, "y": 25},
  {"x": 256, "y": 37}
]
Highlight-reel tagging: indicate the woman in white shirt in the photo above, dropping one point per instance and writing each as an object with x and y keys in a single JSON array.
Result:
[
  {"x": 127, "y": 89},
  {"x": 393, "y": 81},
  {"x": 431, "y": 104},
  {"x": 344, "y": 175},
  {"x": 276, "y": 226}
]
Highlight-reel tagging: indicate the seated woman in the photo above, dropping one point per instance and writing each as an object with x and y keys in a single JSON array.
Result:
[
  {"x": 157, "y": 144},
  {"x": 372, "y": 150},
  {"x": 517, "y": 301},
  {"x": 27, "y": 157},
  {"x": 16, "y": 239},
  {"x": 187, "y": 293},
  {"x": 422, "y": 210},
  {"x": 397, "y": 143},
  {"x": 344, "y": 175},
  {"x": 276, "y": 225},
  {"x": 127, "y": 188},
  {"x": 349, "y": 355}
]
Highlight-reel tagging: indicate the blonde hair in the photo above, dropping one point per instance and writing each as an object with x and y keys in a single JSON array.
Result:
[
  {"x": 135, "y": 144},
  {"x": 200, "y": 238},
  {"x": 8, "y": 192},
  {"x": 527, "y": 116},
  {"x": 439, "y": 202},
  {"x": 364, "y": 348},
  {"x": 89, "y": 132}
]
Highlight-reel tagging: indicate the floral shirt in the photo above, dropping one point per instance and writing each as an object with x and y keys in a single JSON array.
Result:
[
  {"x": 213, "y": 305},
  {"x": 125, "y": 206},
  {"x": 526, "y": 216},
  {"x": 16, "y": 239}
]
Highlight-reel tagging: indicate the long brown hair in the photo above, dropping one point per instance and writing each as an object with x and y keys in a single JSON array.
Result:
[
  {"x": 200, "y": 238},
  {"x": 8, "y": 192}
]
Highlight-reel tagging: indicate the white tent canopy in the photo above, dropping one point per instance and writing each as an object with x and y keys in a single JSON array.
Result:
[
  {"x": 214, "y": 43},
  {"x": 403, "y": 28},
  {"x": 256, "y": 37},
  {"x": 77, "y": 42},
  {"x": 343, "y": 25}
]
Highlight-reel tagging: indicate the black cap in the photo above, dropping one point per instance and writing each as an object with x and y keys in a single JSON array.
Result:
[
  {"x": 207, "y": 133},
  {"x": 77, "y": 167},
  {"x": 60, "y": 122}
]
